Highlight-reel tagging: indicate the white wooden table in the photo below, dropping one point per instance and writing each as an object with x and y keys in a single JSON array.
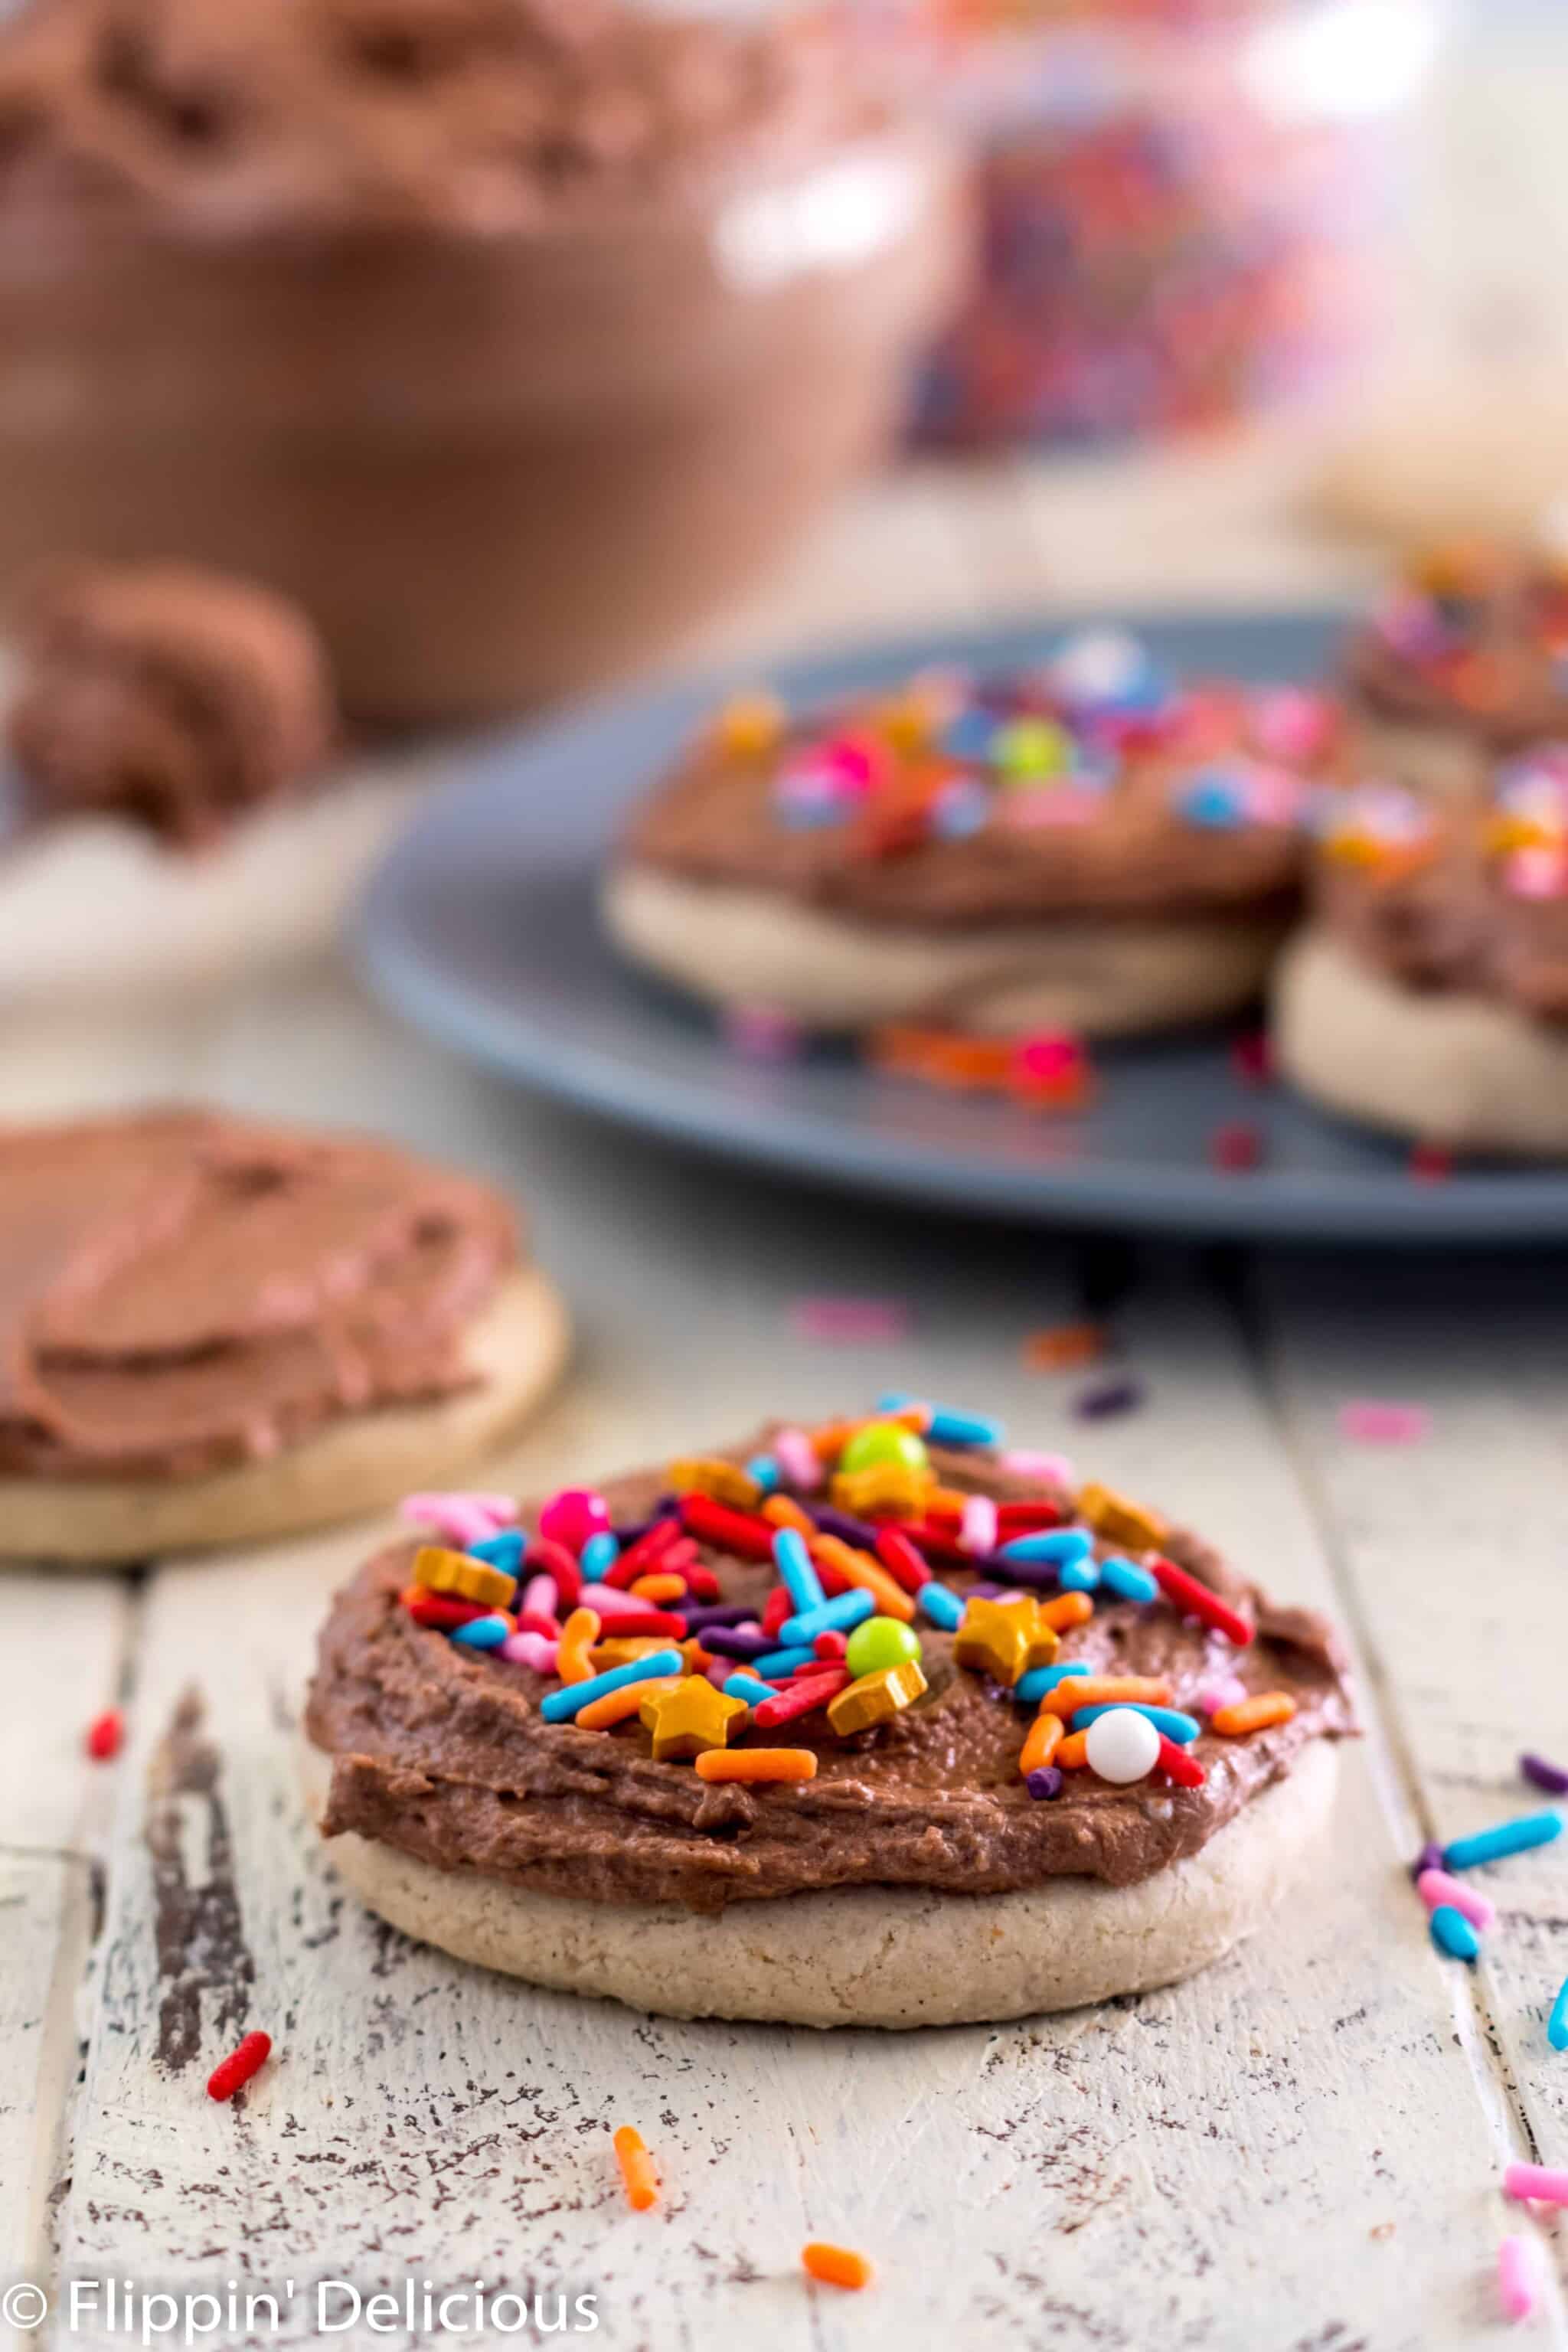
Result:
[{"x": 1300, "y": 2152}]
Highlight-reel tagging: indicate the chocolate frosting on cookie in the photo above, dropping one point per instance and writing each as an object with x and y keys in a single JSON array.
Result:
[
  {"x": 1473, "y": 637},
  {"x": 173, "y": 697},
  {"x": 1179, "y": 805},
  {"x": 1471, "y": 899},
  {"x": 443, "y": 1753},
  {"x": 181, "y": 1290},
  {"x": 484, "y": 114}
]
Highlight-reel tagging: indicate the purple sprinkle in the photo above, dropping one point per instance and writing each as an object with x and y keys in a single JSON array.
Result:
[
  {"x": 717, "y": 1613},
  {"x": 1112, "y": 1397},
  {"x": 729, "y": 1641},
  {"x": 1430, "y": 1858},
  {"x": 839, "y": 1523},
  {"x": 1549, "y": 1777},
  {"x": 984, "y": 1591},
  {"x": 1045, "y": 1781}
]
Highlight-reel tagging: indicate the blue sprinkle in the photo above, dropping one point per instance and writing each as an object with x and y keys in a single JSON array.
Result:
[
  {"x": 1127, "y": 1581},
  {"x": 561, "y": 1705},
  {"x": 801, "y": 814},
  {"x": 600, "y": 1552},
  {"x": 748, "y": 1688},
  {"x": 766, "y": 1471},
  {"x": 504, "y": 1551},
  {"x": 1509, "y": 1837},
  {"x": 797, "y": 1569},
  {"x": 849, "y": 1608},
  {"x": 482, "y": 1632},
  {"x": 960, "y": 809},
  {"x": 942, "y": 1606},
  {"x": 946, "y": 1427},
  {"x": 1079, "y": 1575},
  {"x": 969, "y": 734},
  {"x": 1183, "y": 1728},
  {"x": 784, "y": 1661},
  {"x": 1053, "y": 1545},
  {"x": 1214, "y": 798},
  {"x": 1452, "y": 1933},
  {"x": 1039, "y": 1680},
  {"x": 1557, "y": 2023}
]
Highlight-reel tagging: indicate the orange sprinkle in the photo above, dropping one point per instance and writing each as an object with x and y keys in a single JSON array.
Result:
[
  {"x": 615, "y": 1706},
  {"x": 659, "y": 1587},
  {"x": 945, "y": 1500},
  {"x": 783, "y": 1511},
  {"x": 1046, "y": 1735},
  {"x": 830, "y": 1438},
  {"x": 1119, "y": 1690},
  {"x": 624, "y": 1649},
  {"x": 860, "y": 1569},
  {"x": 1067, "y": 1608},
  {"x": 637, "y": 2166},
  {"x": 1064, "y": 1348},
  {"x": 1072, "y": 1753},
  {"x": 698, "y": 1659},
  {"x": 1253, "y": 1714},
  {"x": 836, "y": 2265},
  {"x": 578, "y": 1636},
  {"x": 753, "y": 1763}
]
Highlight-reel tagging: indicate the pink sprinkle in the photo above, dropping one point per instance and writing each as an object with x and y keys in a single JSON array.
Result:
[
  {"x": 530, "y": 1650},
  {"x": 1378, "y": 1421},
  {"x": 1536, "y": 873},
  {"x": 845, "y": 1321},
  {"x": 610, "y": 1596},
  {"x": 1435, "y": 1886},
  {"x": 1047, "y": 1055},
  {"x": 1050, "y": 1469},
  {"x": 1538, "y": 2182},
  {"x": 797, "y": 1457},
  {"x": 461, "y": 1518},
  {"x": 1516, "y": 2277},
  {"x": 1223, "y": 1690},
  {"x": 977, "y": 1528},
  {"x": 758, "y": 1034},
  {"x": 539, "y": 1596}
]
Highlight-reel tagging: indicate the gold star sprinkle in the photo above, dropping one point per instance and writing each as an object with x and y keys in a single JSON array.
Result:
[
  {"x": 688, "y": 1719},
  {"x": 1005, "y": 1638}
]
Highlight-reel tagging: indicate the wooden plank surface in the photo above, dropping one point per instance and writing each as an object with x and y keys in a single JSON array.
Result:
[{"x": 1301, "y": 2148}]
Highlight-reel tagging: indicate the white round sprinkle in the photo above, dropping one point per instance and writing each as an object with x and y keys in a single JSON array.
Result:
[{"x": 1122, "y": 1746}]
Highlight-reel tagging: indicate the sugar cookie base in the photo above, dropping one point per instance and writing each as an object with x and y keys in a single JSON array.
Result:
[
  {"x": 732, "y": 946},
  {"x": 356, "y": 1466},
  {"x": 884, "y": 1955},
  {"x": 1464, "y": 1071}
]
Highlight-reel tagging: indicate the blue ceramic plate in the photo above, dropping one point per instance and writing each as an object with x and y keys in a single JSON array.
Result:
[{"x": 480, "y": 928}]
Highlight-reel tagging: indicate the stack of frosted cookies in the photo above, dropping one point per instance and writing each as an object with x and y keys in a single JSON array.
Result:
[{"x": 865, "y": 1722}]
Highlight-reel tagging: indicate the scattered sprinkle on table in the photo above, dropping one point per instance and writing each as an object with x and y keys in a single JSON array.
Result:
[
  {"x": 1536, "y": 2184},
  {"x": 1235, "y": 1146},
  {"x": 1430, "y": 1163},
  {"x": 237, "y": 2069},
  {"x": 757, "y": 1033},
  {"x": 1065, "y": 1347},
  {"x": 850, "y": 1322},
  {"x": 1517, "y": 2272},
  {"x": 1384, "y": 1420},
  {"x": 1544, "y": 1774},
  {"x": 1252, "y": 1057},
  {"x": 838, "y": 2266},
  {"x": 1112, "y": 1397},
  {"x": 1557, "y": 2023},
  {"x": 639, "y": 2172},
  {"x": 105, "y": 1735}
]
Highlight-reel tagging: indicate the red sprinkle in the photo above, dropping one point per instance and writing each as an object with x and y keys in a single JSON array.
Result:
[
  {"x": 105, "y": 1735},
  {"x": 776, "y": 1608},
  {"x": 801, "y": 1699},
  {"x": 530, "y": 1620},
  {"x": 551, "y": 1559},
  {"x": 649, "y": 1551},
  {"x": 901, "y": 1560},
  {"x": 1430, "y": 1163},
  {"x": 1023, "y": 1519},
  {"x": 617, "y": 1623},
  {"x": 740, "y": 1532},
  {"x": 1236, "y": 1146},
  {"x": 1195, "y": 1600},
  {"x": 702, "y": 1582},
  {"x": 1180, "y": 1765},
  {"x": 831, "y": 1645},
  {"x": 1252, "y": 1057},
  {"x": 251, "y": 2057},
  {"x": 439, "y": 1609}
]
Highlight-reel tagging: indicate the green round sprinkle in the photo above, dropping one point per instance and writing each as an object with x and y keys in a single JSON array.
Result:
[
  {"x": 881, "y": 1442},
  {"x": 880, "y": 1642}
]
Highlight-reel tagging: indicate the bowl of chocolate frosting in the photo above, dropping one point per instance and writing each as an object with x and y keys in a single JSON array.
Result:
[{"x": 509, "y": 338}]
